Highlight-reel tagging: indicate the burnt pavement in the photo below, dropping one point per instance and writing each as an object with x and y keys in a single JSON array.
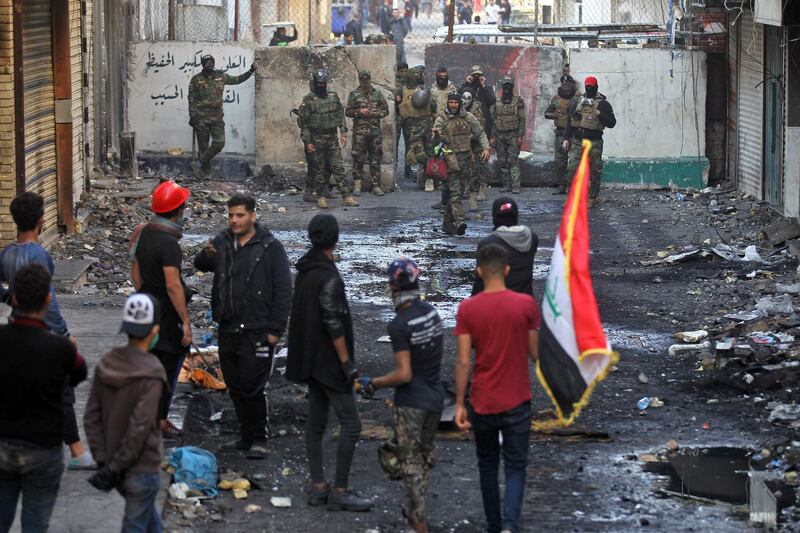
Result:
[{"x": 592, "y": 477}]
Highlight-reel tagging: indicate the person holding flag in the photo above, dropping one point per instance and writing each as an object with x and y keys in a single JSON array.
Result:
[{"x": 573, "y": 352}]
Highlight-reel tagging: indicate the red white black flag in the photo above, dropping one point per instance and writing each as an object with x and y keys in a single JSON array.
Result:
[{"x": 574, "y": 354}]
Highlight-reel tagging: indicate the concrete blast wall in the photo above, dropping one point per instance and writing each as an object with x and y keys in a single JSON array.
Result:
[
  {"x": 535, "y": 70},
  {"x": 158, "y": 91},
  {"x": 283, "y": 81}
]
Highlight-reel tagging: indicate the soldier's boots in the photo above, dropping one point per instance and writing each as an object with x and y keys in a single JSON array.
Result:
[
  {"x": 473, "y": 201},
  {"x": 348, "y": 501},
  {"x": 350, "y": 202},
  {"x": 461, "y": 228},
  {"x": 482, "y": 193},
  {"x": 322, "y": 202},
  {"x": 377, "y": 191},
  {"x": 309, "y": 197},
  {"x": 455, "y": 229},
  {"x": 357, "y": 188},
  {"x": 205, "y": 168},
  {"x": 562, "y": 189},
  {"x": 505, "y": 188},
  {"x": 515, "y": 190},
  {"x": 429, "y": 187}
]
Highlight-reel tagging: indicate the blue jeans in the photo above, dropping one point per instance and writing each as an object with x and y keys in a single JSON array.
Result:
[
  {"x": 141, "y": 515},
  {"x": 515, "y": 426},
  {"x": 36, "y": 473}
]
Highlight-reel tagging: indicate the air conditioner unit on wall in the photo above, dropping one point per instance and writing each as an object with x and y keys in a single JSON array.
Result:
[{"x": 768, "y": 12}]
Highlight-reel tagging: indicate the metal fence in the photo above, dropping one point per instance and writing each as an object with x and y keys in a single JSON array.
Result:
[{"x": 411, "y": 24}]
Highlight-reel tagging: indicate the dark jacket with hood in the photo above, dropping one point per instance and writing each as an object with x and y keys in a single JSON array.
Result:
[
  {"x": 121, "y": 419},
  {"x": 521, "y": 244},
  {"x": 252, "y": 284},
  {"x": 320, "y": 313}
]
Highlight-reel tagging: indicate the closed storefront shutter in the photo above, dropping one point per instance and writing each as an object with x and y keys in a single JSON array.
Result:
[
  {"x": 39, "y": 106},
  {"x": 751, "y": 106}
]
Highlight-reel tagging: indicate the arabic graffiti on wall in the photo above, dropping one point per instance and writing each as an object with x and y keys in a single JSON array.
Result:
[{"x": 158, "y": 108}]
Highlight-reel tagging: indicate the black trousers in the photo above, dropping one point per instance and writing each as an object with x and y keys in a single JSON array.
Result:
[
  {"x": 173, "y": 362},
  {"x": 246, "y": 374}
]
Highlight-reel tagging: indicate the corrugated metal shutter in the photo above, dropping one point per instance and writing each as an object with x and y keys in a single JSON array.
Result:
[
  {"x": 751, "y": 106},
  {"x": 78, "y": 125},
  {"x": 39, "y": 105}
]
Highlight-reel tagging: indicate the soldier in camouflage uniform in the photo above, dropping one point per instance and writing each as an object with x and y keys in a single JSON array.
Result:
[
  {"x": 557, "y": 112},
  {"x": 206, "y": 91},
  {"x": 457, "y": 129},
  {"x": 479, "y": 168},
  {"x": 367, "y": 106},
  {"x": 321, "y": 115},
  {"x": 508, "y": 127},
  {"x": 417, "y": 337},
  {"x": 588, "y": 116},
  {"x": 416, "y": 121}
]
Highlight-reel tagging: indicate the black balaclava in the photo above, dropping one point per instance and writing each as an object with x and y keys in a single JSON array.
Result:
[
  {"x": 566, "y": 90},
  {"x": 591, "y": 91},
  {"x": 508, "y": 92},
  {"x": 207, "y": 61},
  {"x": 455, "y": 97},
  {"x": 442, "y": 78}
]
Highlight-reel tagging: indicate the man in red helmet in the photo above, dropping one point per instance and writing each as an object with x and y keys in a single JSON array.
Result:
[
  {"x": 588, "y": 115},
  {"x": 156, "y": 269}
]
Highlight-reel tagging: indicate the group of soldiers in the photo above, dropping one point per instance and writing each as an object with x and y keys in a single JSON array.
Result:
[{"x": 458, "y": 125}]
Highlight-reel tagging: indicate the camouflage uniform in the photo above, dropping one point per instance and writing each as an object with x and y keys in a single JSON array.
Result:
[
  {"x": 416, "y": 124},
  {"x": 320, "y": 118},
  {"x": 479, "y": 169},
  {"x": 557, "y": 112},
  {"x": 458, "y": 132},
  {"x": 508, "y": 123},
  {"x": 440, "y": 95},
  {"x": 415, "y": 430},
  {"x": 582, "y": 119},
  {"x": 367, "y": 136},
  {"x": 205, "y": 110}
]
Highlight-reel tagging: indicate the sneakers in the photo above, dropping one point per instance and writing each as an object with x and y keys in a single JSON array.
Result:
[
  {"x": 350, "y": 202},
  {"x": 429, "y": 187},
  {"x": 461, "y": 228},
  {"x": 322, "y": 203},
  {"x": 318, "y": 497},
  {"x": 84, "y": 462},
  {"x": 377, "y": 191},
  {"x": 257, "y": 451},
  {"x": 348, "y": 501},
  {"x": 482, "y": 193},
  {"x": 239, "y": 445}
]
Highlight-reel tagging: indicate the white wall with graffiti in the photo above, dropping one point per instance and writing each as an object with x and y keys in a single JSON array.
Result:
[{"x": 158, "y": 87}]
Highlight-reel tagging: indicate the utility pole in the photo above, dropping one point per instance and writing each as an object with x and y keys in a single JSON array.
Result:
[
  {"x": 236, "y": 20},
  {"x": 451, "y": 15},
  {"x": 171, "y": 21}
]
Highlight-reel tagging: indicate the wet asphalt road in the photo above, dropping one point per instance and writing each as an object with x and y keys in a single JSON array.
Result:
[{"x": 574, "y": 484}]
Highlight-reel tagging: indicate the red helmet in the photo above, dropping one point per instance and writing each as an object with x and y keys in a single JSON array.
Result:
[
  {"x": 168, "y": 196},
  {"x": 590, "y": 80}
]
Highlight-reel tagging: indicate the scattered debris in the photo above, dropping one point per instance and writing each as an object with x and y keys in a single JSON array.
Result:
[
  {"x": 281, "y": 501},
  {"x": 252, "y": 508},
  {"x": 691, "y": 336},
  {"x": 676, "y": 349}
]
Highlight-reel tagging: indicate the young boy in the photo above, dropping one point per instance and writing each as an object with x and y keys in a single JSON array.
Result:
[
  {"x": 417, "y": 337},
  {"x": 503, "y": 327},
  {"x": 122, "y": 417}
]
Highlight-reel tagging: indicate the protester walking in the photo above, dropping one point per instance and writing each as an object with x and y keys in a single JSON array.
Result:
[
  {"x": 37, "y": 365},
  {"x": 503, "y": 326},
  {"x": 27, "y": 211},
  {"x": 520, "y": 242},
  {"x": 417, "y": 337},
  {"x": 122, "y": 417},
  {"x": 321, "y": 356},
  {"x": 156, "y": 260},
  {"x": 250, "y": 300}
]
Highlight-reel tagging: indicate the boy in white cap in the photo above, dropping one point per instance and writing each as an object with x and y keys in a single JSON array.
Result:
[{"x": 122, "y": 413}]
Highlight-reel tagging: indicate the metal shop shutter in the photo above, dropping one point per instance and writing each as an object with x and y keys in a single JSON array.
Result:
[
  {"x": 39, "y": 105},
  {"x": 751, "y": 105}
]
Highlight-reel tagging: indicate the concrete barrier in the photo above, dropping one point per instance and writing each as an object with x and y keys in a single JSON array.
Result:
[{"x": 282, "y": 82}]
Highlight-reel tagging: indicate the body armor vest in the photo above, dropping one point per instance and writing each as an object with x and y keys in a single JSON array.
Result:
[
  {"x": 477, "y": 112},
  {"x": 457, "y": 132},
  {"x": 325, "y": 113},
  {"x": 407, "y": 110},
  {"x": 563, "y": 107},
  {"x": 506, "y": 115},
  {"x": 586, "y": 111}
]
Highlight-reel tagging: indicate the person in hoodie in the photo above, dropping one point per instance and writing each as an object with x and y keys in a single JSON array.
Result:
[
  {"x": 321, "y": 355},
  {"x": 519, "y": 241},
  {"x": 122, "y": 417},
  {"x": 250, "y": 300}
]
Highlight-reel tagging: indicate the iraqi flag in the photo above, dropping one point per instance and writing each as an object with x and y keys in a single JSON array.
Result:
[{"x": 574, "y": 354}]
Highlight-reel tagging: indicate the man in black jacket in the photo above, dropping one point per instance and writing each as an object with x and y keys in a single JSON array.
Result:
[
  {"x": 520, "y": 242},
  {"x": 483, "y": 94},
  {"x": 38, "y": 365},
  {"x": 250, "y": 300},
  {"x": 321, "y": 355}
]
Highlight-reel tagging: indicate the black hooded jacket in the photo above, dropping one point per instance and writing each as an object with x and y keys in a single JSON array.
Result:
[
  {"x": 320, "y": 314},
  {"x": 252, "y": 284},
  {"x": 521, "y": 243}
]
